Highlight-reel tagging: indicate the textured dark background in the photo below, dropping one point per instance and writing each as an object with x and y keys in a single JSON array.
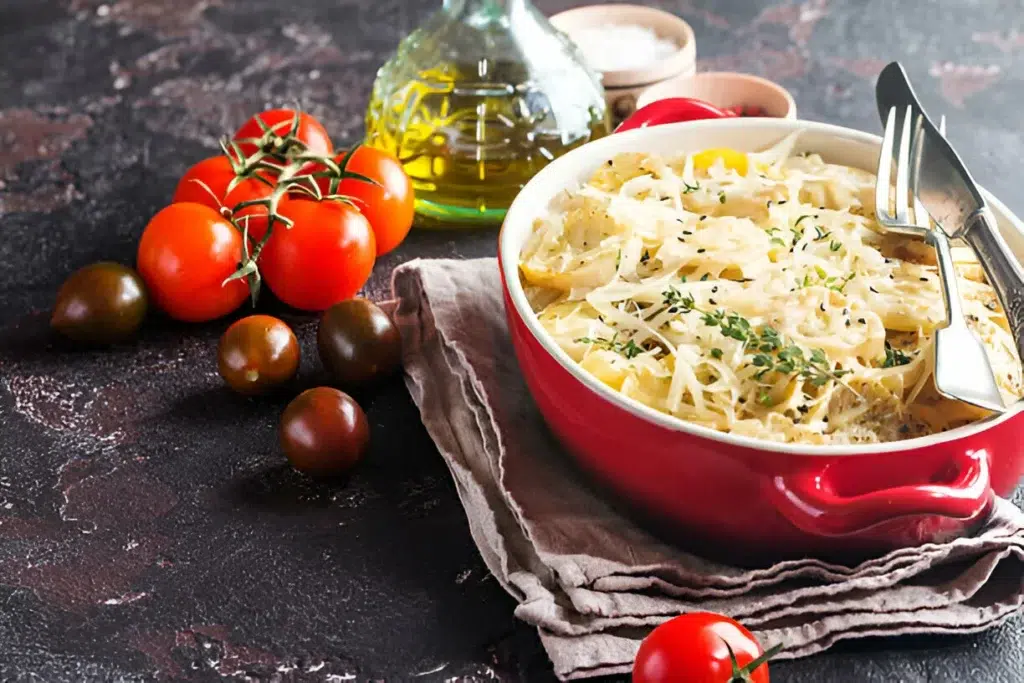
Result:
[{"x": 147, "y": 526}]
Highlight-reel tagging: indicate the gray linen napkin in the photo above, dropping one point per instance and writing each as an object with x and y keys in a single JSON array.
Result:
[{"x": 585, "y": 576}]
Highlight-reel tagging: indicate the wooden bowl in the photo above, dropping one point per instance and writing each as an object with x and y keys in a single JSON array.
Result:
[{"x": 623, "y": 87}]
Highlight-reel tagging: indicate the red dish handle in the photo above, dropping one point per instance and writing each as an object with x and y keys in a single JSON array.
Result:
[
  {"x": 672, "y": 110},
  {"x": 806, "y": 500}
]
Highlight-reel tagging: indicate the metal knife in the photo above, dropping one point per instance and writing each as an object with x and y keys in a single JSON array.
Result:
[{"x": 950, "y": 195}]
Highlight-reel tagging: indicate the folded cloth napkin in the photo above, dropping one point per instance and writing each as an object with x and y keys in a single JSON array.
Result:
[{"x": 594, "y": 583}]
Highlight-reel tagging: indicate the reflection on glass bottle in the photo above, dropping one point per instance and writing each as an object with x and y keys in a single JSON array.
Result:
[{"x": 476, "y": 101}]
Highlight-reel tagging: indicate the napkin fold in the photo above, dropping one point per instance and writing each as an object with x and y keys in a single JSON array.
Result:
[{"x": 593, "y": 582}]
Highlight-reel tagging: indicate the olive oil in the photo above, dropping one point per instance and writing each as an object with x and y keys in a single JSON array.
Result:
[{"x": 476, "y": 102}]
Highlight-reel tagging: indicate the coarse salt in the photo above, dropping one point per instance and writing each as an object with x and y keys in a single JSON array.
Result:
[{"x": 621, "y": 47}]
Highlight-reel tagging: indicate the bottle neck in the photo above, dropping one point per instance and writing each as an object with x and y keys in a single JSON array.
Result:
[{"x": 485, "y": 9}]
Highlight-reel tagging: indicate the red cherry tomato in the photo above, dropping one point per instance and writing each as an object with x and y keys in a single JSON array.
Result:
[
  {"x": 186, "y": 253},
  {"x": 389, "y": 206},
  {"x": 310, "y": 131},
  {"x": 325, "y": 257},
  {"x": 207, "y": 183},
  {"x": 694, "y": 648}
]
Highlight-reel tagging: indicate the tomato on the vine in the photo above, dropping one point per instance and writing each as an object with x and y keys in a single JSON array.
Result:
[
  {"x": 310, "y": 131},
  {"x": 186, "y": 253},
  {"x": 389, "y": 206},
  {"x": 701, "y": 647},
  {"x": 207, "y": 183},
  {"x": 325, "y": 257}
]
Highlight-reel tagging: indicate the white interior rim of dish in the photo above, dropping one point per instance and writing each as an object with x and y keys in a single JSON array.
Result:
[{"x": 581, "y": 163}]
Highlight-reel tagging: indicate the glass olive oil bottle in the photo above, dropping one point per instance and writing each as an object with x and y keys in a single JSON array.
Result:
[{"x": 476, "y": 101}]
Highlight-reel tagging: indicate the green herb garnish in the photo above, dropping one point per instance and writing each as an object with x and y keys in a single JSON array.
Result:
[
  {"x": 894, "y": 357},
  {"x": 629, "y": 349},
  {"x": 772, "y": 352}
]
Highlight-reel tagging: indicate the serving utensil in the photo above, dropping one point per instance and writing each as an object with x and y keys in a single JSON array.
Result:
[
  {"x": 961, "y": 366},
  {"x": 950, "y": 195}
]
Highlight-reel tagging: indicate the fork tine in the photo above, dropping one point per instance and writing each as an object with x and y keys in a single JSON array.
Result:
[
  {"x": 903, "y": 170},
  {"x": 884, "y": 178}
]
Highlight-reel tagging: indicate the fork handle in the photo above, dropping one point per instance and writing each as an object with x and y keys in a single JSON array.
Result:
[
  {"x": 947, "y": 277},
  {"x": 1002, "y": 268}
]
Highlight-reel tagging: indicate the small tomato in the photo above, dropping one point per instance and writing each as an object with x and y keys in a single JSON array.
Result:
[
  {"x": 701, "y": 647},
  {"x": 186, "y": 253},
  {"x": 325, "y": 257}
]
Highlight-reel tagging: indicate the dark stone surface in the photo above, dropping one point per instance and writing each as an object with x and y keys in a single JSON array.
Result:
[{"x": 147, "y": 525}]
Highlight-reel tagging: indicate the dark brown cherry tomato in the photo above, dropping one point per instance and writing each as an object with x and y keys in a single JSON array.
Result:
[
  {"x": 257, "y": 354},
  {"x": 101, "y": 303},
  {"x": 358, "y": 342},
  {"x": 324, "y": 432}
]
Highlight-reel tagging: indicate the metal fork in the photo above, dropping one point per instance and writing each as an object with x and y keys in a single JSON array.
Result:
[{"x": 962, "y": 369}]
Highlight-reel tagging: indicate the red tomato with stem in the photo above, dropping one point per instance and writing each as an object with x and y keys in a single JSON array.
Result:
[
  {"x": 208, "y": 183},
  {"x": 310, "y": 131},
  {"x": 325, "y": 257},
  {"x": 389, "y": 206},
  {"x": 186, "y": 253},
  {"x": 701, "y": 648}
]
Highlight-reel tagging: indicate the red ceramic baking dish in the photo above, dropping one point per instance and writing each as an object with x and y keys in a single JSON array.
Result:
[{"x": 762, "y": 501}]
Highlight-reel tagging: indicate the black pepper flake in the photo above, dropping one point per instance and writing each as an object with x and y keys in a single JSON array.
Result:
[
  {"x": 846, "y": 311},
  {"x": 714, "y": 290},
  {"x": 712, "y": 302},
  {"x": 781, "y": 202},
  {"x": 862, "y": 321},
  {"x": 923, "y": 279},
  {"x": 680, "y": 238},
  {"x": 847, "y": 323},
  {"x": 687, "y": 232},
  {"x": 873, "y": 289},
  {"x": 821, "y": 208},
  {"x": 822, "y": 307},
  {"x": 804, "y": 247},
  {"x": 609, "y": 162},
  {"x": 888, "y": 260},
  {"x": 803, "y": 409},
  {"x": 701, "y": 250},
  {"x": 825, "y": 419},
  {"x": 891, "y": 276},
  {"x": 703, "y": 218}
]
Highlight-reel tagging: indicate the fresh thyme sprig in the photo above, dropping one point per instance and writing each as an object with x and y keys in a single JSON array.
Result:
[
  {"x": 629, "y": 348},
  {"x": 773, "y": 353}
]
